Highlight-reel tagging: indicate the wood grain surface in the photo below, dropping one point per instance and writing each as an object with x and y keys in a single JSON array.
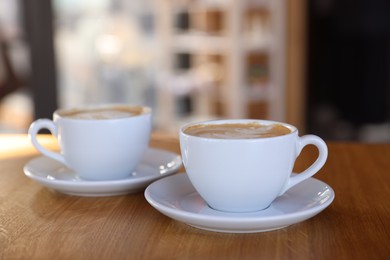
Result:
[{"x": 38, "y": 223}]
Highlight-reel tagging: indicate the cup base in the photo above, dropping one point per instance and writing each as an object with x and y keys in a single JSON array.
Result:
[
  {"x": 104, "y": 178},
  {"x": 237, "y": 211}
]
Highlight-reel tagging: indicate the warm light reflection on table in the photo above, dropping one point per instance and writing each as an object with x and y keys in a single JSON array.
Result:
[{"x": 12, "y": 145}]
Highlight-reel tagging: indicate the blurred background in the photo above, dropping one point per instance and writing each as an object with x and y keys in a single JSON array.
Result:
[{"x": 322, "y": 65}]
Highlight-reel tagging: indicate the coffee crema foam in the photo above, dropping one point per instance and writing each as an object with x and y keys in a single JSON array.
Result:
[
  {"x": 237, "y": 131},
  {"x": 103, "y": 113}
]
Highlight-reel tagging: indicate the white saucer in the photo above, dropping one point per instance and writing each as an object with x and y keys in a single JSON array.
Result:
[
  {"x": 155, "y": 164},
  {"x": 175, "y": 197}
]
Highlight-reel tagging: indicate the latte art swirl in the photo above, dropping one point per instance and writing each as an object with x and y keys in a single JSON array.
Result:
[
  {"x": 104, "y": 114},
  {"x": 237, "y": 131},
  {"x": 115, "y": 112}
]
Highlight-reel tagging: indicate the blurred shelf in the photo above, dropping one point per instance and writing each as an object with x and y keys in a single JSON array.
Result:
[
  {"x": 249, "y": 35},
  {"x": 200, "y": 42}
]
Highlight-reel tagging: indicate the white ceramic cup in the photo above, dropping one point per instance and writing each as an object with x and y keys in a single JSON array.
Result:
[
  {"x": 97, "y": 149},
  {"x": 245, "y": 175}
]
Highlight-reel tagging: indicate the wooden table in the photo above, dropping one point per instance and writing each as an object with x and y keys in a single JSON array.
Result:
[{"x": 37, "y": 223}]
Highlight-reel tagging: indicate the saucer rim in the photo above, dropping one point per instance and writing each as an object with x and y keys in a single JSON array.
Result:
[
  {"x": 235, "y": 218},
  {"x": 64, "y": 186}
]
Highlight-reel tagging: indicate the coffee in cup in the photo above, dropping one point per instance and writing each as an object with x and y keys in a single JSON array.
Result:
[
  {"x": 244, "y": 165},
  {"x": 99, "y": 142},
  {"x": 102, "y": 113},
  {"x": 237, "y": 131}
]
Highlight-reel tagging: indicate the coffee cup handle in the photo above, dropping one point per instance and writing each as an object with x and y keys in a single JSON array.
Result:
[
  {"x": 32, "y": 134},
  {"x": 315, "y": 167}
]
